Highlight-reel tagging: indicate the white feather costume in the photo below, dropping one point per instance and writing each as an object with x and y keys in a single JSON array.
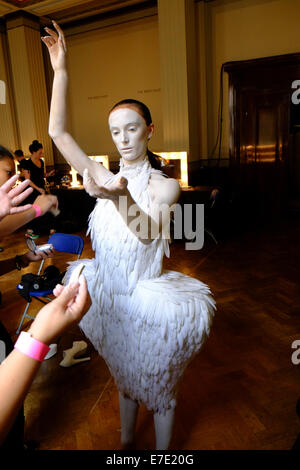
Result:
[{"x": 147, "y": 323}]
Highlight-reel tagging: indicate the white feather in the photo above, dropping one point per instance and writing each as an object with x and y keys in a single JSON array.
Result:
[{"x": 146, "y": 323}]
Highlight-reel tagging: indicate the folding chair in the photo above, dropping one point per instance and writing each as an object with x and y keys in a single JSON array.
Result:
[{"x": 61, "y": 242}]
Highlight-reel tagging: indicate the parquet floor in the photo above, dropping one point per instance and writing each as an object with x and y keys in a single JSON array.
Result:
[{"x": 240, "y": 392}]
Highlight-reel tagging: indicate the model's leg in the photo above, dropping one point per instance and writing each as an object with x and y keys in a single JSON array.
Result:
[
  {"x": 163, "y": 429},
  {"x": 128, "y": 411}
]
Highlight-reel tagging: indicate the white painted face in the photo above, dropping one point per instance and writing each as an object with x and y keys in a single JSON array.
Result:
[{"x": 130, "y": 133}]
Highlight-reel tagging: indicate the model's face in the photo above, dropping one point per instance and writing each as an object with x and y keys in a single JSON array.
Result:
[
  {"x": 130, "y": 133},
  {"x": 7, "y": 169}
]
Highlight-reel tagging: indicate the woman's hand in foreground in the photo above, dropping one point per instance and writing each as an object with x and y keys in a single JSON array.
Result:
[
  {"x": 10, "y": 198},
  {"x": 71, "y": 304},
  {"x": 111, "y": 191},
  {"x": 57, "y": 48}
]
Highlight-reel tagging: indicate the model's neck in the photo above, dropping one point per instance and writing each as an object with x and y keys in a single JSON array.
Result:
[{"x": 133, "y": 162}]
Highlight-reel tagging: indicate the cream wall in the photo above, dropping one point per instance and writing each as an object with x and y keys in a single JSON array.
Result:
[
  {"x": 105, "y": 66},
  {"x": 8, "y": 136},
  {"x": 240, "y": 30}
]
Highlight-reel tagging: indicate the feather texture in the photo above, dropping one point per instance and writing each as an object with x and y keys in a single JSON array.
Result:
[{"x": 147, "y": 323}]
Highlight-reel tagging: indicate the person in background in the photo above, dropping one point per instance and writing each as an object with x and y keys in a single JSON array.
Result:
[
  {"x": 20, "y": 157},
  {"x": 33, "y": 168},
  {"x": 35, "y": 207}
]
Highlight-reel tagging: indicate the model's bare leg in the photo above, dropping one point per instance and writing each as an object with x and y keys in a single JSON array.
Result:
[
  {"x": 163, "y": 429},
  {"x": 128, "y": 411}
]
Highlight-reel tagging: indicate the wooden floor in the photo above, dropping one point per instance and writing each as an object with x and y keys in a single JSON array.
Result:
[{"x": 239, "y": 393}]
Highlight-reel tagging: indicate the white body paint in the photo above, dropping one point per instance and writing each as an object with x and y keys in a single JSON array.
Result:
[
  {"x": 147, "y": 323},
  {"x": 129, "y": 133}
]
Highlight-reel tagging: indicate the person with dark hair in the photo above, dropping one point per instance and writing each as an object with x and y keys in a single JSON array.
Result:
[
  {"x": 34, "y": 207},
  {"x": 19, "y": 155},
  {"x": 146, "y": 323},
  {"x": 33, "y": 169}
]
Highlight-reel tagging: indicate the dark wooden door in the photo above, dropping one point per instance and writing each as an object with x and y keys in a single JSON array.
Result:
[{"x": 260, "y": 97}]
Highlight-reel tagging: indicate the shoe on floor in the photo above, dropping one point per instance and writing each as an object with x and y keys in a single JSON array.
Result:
[{"x": 71, "y": 356}]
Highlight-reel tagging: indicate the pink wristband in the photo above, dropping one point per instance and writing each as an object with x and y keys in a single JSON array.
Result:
[
  {"x": 38, "y": 210},
  {"x": 31, "y": 347}
]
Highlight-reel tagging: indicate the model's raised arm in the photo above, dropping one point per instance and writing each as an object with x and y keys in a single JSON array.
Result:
[{"x": 65, "y": 143}]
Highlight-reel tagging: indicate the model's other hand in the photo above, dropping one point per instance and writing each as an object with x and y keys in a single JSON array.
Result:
[
  {"x": 68, "y": 308},
  {"x": 46, "y": 202},
  {"x": 111, "y": 191},
  {"x": 10, "y": 198},
  {"x": 57, "y": 48}
]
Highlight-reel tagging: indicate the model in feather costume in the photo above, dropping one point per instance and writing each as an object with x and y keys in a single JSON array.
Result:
[{"x": 147, "y": 323}]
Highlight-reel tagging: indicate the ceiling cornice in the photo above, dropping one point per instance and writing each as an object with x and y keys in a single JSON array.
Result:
[{"x": 67, "y": 10}]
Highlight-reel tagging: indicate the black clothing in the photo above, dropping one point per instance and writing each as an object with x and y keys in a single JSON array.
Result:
[
  {"x": 43, "y": 224},
  {"x": 36, "y": 173}
]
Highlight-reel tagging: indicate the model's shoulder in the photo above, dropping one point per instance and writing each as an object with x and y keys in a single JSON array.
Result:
[
  {"x": 164, "y": 190},
  {"x": 157, "y": 175},
  {"x": 161, "y": 179}
]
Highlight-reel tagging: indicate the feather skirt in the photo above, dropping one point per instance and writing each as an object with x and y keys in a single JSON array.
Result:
[{"x": 145, "y": 322}]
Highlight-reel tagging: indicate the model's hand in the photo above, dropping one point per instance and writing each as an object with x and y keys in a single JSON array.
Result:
[
  {"x": 46, "y": 202},
  {"x": 41, "y": 190},
  {"x": 71, "y": 304},
  {"x": 112, "y": 191},
  {"x": 10, "y": 198},
  {"x": 57, "y": 48},
  {"x": 30, "y": 257}
]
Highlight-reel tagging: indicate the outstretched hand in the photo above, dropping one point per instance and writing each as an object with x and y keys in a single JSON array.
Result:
[
  {"x": 72, "y": 302},
  {"x": 112, "y": 191},
  {"x": 10, "y": 198},
  {"x": 56, "y": 45}
]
